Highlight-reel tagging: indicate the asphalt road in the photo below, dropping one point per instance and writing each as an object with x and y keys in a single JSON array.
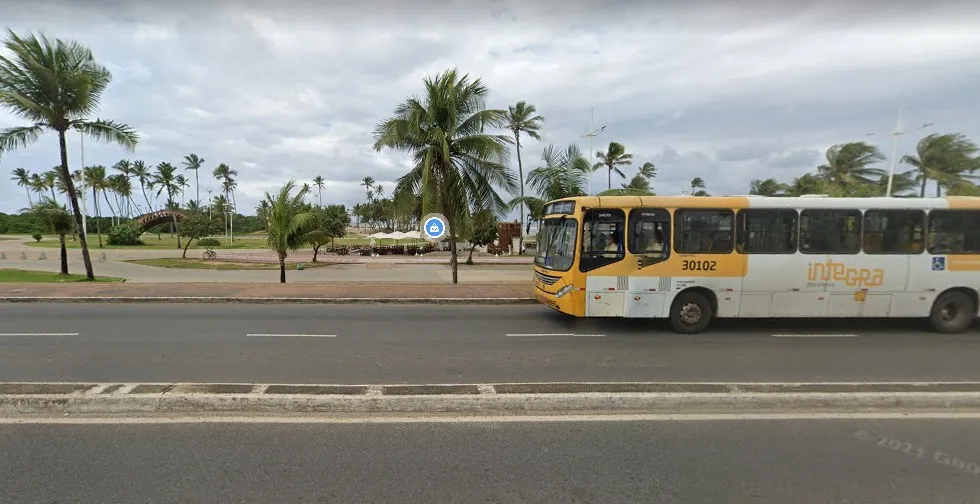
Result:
[
  {"x": 814, "y": 461},
  {"x": 451, "y": 344}
]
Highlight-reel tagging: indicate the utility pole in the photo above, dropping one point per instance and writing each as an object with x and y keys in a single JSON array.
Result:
[
  {"x": 592, "y": 133},
  {"x": 895, "y": 133}
]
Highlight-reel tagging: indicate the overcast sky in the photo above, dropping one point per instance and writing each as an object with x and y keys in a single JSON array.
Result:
[{"x": 727, "y": 92}]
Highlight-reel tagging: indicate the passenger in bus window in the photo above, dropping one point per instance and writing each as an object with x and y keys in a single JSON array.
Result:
[{"x": 612, "y": 248}]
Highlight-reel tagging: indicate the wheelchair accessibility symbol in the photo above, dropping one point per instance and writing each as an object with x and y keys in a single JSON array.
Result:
[{"x": 938, "y": 264}]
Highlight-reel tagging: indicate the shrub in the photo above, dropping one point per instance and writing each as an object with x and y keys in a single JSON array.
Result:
[
  {"x": 37, "y": 236},
  {"x": 125, "y": 234},
  {"x": 208, "y": 242}
]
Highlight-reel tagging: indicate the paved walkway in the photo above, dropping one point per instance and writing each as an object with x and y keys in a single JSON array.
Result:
[{"x": 384, "y": 290}]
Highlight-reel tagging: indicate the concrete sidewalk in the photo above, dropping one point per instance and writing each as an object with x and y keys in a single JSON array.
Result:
[{"x": 334, "y": 292}]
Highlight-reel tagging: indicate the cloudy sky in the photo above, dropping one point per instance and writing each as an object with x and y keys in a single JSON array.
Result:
[{"x": 727, "y": 92}]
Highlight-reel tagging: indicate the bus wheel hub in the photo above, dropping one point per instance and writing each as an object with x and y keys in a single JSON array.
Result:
[{"x": 691, "y": 313}]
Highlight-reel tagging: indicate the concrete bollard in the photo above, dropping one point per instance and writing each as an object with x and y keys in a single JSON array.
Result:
[
  {"x": 102, "y": 257},
  {"x": 3, "y": 255},
  {"x": 42, "y": 257},
  {"x": 23, "y": 256}
]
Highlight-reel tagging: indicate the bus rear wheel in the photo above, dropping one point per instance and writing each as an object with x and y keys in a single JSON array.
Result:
[
  {"x": 953, "y": 312},
  {"x": 690, "y": 313}
]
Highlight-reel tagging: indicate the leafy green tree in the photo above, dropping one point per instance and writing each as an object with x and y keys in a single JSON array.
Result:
[
  {"x": 327, "y": 223},
  {"x": 457, "y": 164},
  {"x": 196, "y": 226},
  {"x": 767, "y": 187},
  {"x": 614, "y": 157},
  {"x": 698, "y": 187},
  {"x": 58, "y": 221},
  {"x": 287, "y": 225},
  {"x": 850, "y": 164},
  {"x": 949, "y": 159},
  {"x": 522, "y": 118},
  {"x": 484, "y": 231},
  {"x": 56, "y": 85}
]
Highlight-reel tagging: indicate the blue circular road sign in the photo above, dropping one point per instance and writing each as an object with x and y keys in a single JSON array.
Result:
[{"x": 434, "y": 227}]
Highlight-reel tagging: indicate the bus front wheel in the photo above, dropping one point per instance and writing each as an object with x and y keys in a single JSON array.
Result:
[
  {"x": 953, "y": 312},
  {"x": 691, "y": 313}
]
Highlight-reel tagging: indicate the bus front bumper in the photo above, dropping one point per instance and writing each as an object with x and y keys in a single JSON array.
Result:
[{"x": 564, "y": 303}]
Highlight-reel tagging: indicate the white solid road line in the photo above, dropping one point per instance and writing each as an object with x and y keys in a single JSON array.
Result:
[
  {"x": 815, "y": 336},
  {"x": 40, "y": 334},
  {"x": 545, "y": 335},
  {"x": 265, "y": 335}
]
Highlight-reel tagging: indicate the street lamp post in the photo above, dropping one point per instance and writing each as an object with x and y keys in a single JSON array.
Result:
[
  {"x": 593, "y": 132},
  {"x": 895, "y": 133}
]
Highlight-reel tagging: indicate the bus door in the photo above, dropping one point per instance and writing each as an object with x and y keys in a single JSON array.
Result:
[
  {"x": 649, "y": 244},
  {"x": 601, "y": 260}
]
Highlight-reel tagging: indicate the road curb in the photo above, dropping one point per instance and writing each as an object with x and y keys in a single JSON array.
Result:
[
  {"x": 33, "y": 399},
  {"x": 267, "y": 300}
]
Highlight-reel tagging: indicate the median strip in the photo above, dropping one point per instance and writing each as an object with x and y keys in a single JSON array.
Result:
[{"x": 40, "y": 399}]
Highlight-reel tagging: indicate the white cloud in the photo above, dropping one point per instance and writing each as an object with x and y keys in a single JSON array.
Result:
[{"x": 724, "y": 91}]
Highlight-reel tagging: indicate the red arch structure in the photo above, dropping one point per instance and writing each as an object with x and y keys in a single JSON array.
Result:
[{"x": 159, "y": 217}]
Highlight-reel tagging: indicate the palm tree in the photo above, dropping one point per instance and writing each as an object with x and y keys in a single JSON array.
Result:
[
  {"x": 523, "y": 118},
  {"x": 38, "y": 185},
  {"x": 123, "y": 188},
  {"x": 456, "y": 163},
  {"x": 286, "y": 223},
  {"x": 51, "y": 182},
  {"x": 697, "y": 187},
  {"x": 368, "y": 183},
  {"x": 614, "y": 157},
  {"x": 194, "y": 163},
  {"x": 182, "y": 184},
  {"x": 94, "y": 177},
  {"x": 648, "y": 171},
  {"x": 226, "y": 175},
  {"x": 945, "y": 158},
  {"x": 807, "y": 184},
  {"x": 142, "y": 173},
  {"x": 319, "y": 183},
  {"x": 850, "y": 163},
  {"x": 767, "y": 187},
  {"x": 56, "y": 85},
  {"x": 165, "y": 179},
  {"x": 23, "y": 178},
  {"x": 59, "y": 222},
  {"x": 564, "y": 174}
]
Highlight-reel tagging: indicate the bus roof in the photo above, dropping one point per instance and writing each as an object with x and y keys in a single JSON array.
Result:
[{"x": 753, "y": 201}]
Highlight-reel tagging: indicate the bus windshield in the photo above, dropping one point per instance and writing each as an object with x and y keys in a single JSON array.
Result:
[{"x": 556, "y": 244}]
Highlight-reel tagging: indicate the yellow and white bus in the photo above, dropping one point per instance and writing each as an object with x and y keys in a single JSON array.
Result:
[{"x": 691, "y": 259}]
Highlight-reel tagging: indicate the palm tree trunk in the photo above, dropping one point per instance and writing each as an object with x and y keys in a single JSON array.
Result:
[
  {"x": 197, "y": 185},
  {"x": 520, "y": 173},
  {"x": 453, "y": 258},
  {"x": 30, "y": 201},
  {"x": 922, "y": 192},
  {"x": 54, "y": 197},
  {"x": 98, "y": 215},
  {"x": 64, "y": 254},
  {"x": 73, "y": 197},
  {"x": 609, "y": 178},
  {"x": 149, "y": 207},
  {"x": 105, "y": 195},
  {"x": 282, "y": 267},
  {"x": 939, "y": 189},
  {"x": 173, "y": 216}
]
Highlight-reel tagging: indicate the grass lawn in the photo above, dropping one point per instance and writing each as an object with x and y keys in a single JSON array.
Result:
[
  {"x": 150, "y": 242},
  {"x": 218, "y": 264},
  {"x": 18, "y": 275}
]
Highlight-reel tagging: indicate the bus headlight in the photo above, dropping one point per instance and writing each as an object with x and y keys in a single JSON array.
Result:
[{"x": 564, "y": 290}]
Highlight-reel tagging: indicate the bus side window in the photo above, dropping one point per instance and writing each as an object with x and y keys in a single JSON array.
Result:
[
  {"x": 893, "y": 231},
  {"x": 603, "y": 238},
  {"x": 830, "y": 231},
  {"x": 954, "y": 232},
  {"x": 649, "y": 234},
  {"x": 766, "y": 231},
  {"x": 703, "y": 231}
]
